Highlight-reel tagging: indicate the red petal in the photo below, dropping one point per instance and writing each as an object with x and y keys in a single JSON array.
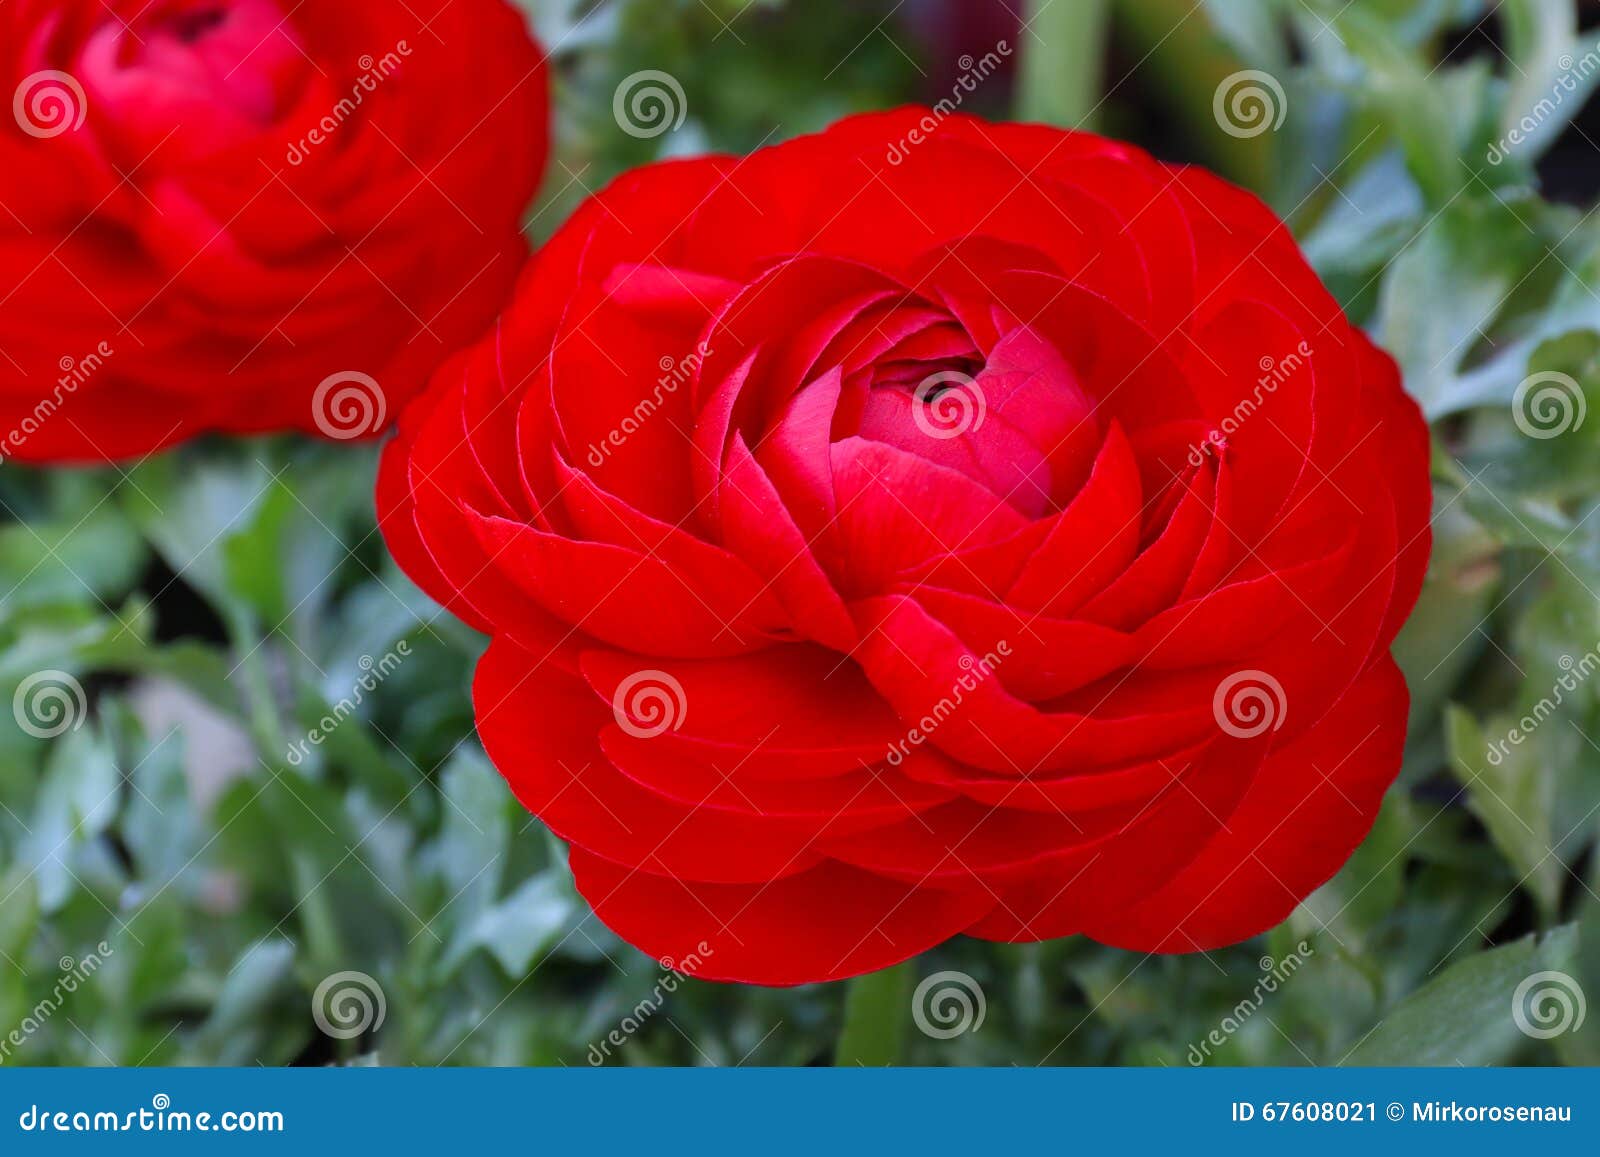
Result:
[
  {"x": 1313, "y": 802},
  {"x": 828, "y": 923}
]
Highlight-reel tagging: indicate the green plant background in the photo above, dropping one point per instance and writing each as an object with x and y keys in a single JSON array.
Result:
[{"x": 217, "y": 601}]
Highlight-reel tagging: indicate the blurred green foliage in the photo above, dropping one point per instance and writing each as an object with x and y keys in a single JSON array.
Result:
[{"x": 219, "y": 602}]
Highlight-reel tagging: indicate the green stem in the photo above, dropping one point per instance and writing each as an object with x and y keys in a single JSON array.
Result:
[
  {"x": 1181, "y": 64},
  {"x": 875, "y": 1012},
  {"x": 1063, "y": 58},
  {"x": 266, "y": 721}
]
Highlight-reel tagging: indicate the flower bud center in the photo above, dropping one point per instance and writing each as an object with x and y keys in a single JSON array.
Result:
[
  {"x": 196, "y": 76},
  {"x": 190, "y": 25}
]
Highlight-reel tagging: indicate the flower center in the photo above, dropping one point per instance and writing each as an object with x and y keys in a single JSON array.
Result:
[
  {"x": 190, "y": 25},
  {"x": 1013, "y": 419},
  {"x": 940, "y": 379},
  {"x": 195, "y": 77}
]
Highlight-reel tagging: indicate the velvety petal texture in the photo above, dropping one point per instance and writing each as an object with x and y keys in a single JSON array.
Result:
[
  {"x": 1002, "y": 534},
  {"x": 250, "y": 215}
]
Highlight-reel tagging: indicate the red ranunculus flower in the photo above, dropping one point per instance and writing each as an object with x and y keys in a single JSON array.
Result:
[
  {"x": 927, "y": 527},
  {"x": 248, "y": 215}
]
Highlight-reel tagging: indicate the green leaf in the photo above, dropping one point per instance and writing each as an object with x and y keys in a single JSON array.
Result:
[
  {"x": 1511, "y": 793},
  {"x": 1470, "y": 255},
  {"x": 519, "y": 928},
  {"x": 1582, "y": 1046},
  {"x": 1368, "y": 888},
  {"x": 189, "y": 505},
  {"x": 1548, "y": 85},
  {"x": 567, "y": 26},
  {"x": 78, "y": 800},
  {"x": 1253, "y": 28},
  {"x": 253, "y": 556},
  {"x": 93, "y": 556},
  {"x": 1464, "y": 1015},
  {"x": 161, "y": 826},
  {"x": 474, "y": 834},
  {"x": 240, "y": 1019},
  {"x": 1398, "y": 86},
  {"x": 876, "y": 1009},
  {"x": 1377, "y": 213},
  {"x": 1440, "y": 640},
  {"x": 1537, "y": 341}
]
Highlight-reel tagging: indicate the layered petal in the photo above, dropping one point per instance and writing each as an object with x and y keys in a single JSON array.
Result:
[
  {"x": 251, "y": 215},
  {"x": 919, "y": 550}
]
